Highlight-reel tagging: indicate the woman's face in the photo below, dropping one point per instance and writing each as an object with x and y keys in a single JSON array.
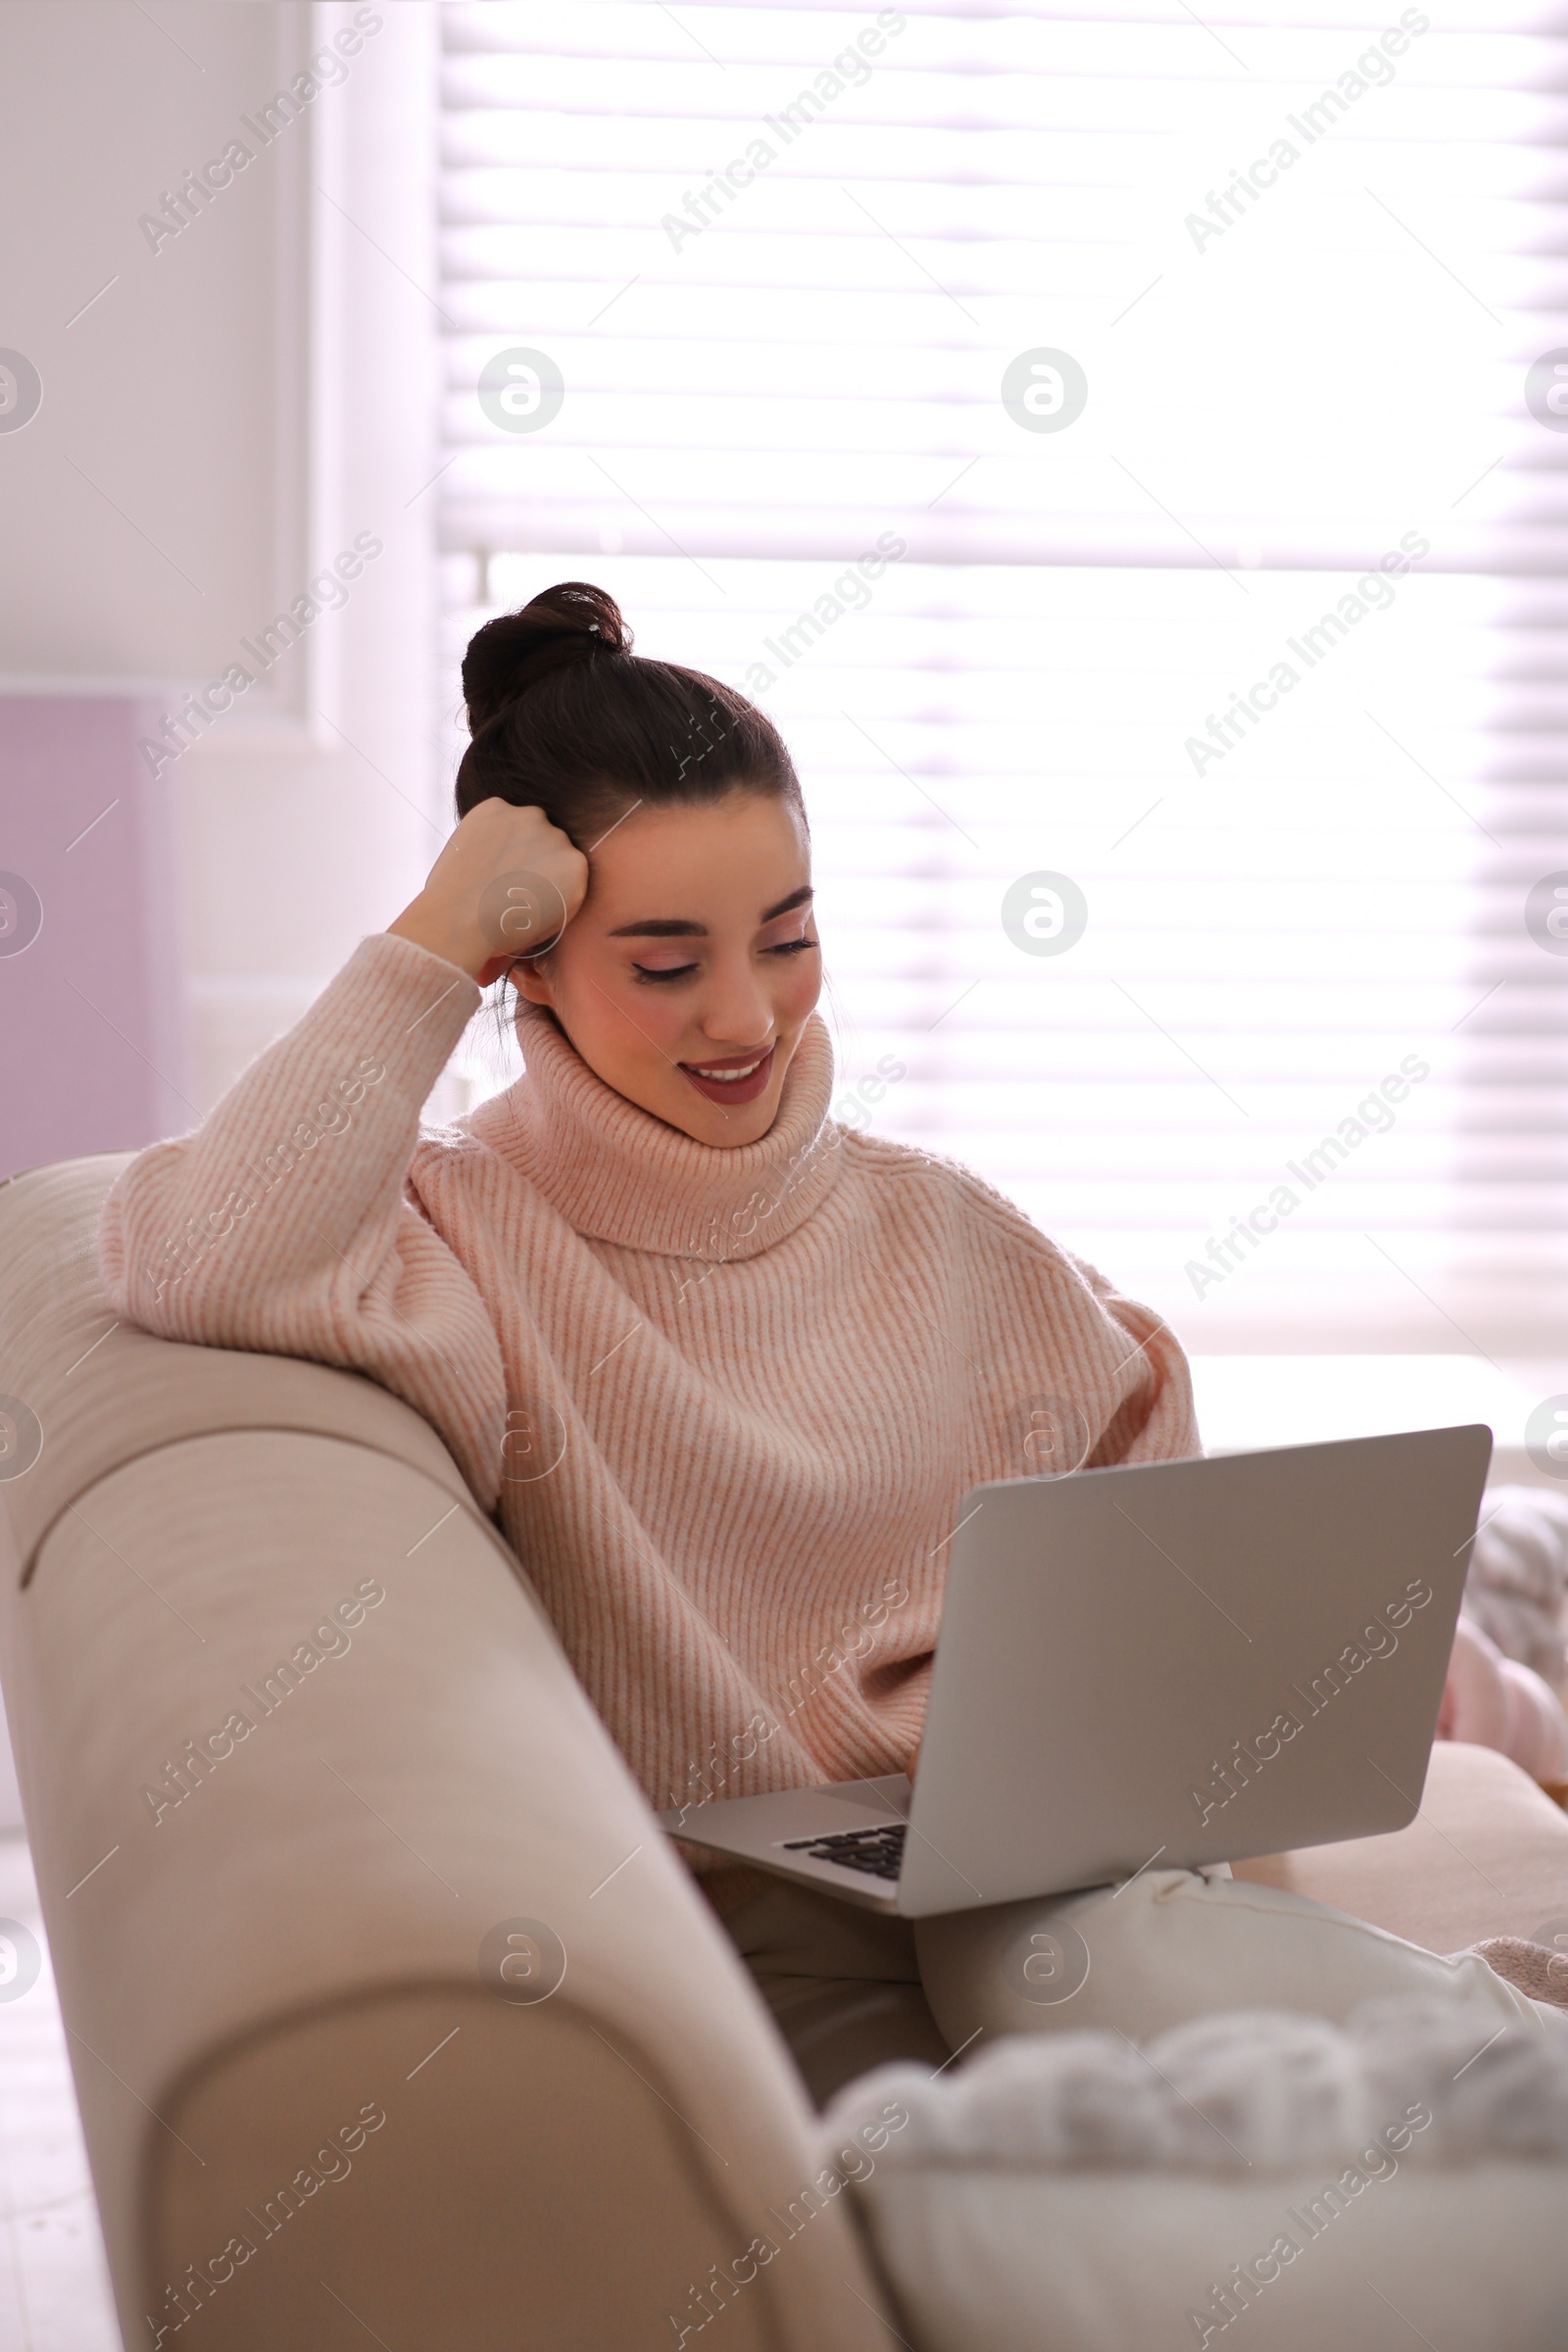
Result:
[{"x": 687, "y": 975}]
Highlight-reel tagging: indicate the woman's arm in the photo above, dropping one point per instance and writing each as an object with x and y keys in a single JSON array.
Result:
[
  {"x": 1154, "y": 1420},
  {"x": 283, "y": 1223}
]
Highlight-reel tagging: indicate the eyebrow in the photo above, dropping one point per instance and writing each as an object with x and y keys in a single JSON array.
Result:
[{"x": 657, "y": 929}]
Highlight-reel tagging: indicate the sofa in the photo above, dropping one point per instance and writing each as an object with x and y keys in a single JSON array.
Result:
[
  {"x": 391, "y": 2012},
  {"x": 401, "y": 1989}
]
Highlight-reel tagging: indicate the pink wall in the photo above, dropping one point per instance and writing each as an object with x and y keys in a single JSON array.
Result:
[{"x": 93, "y": 1052}]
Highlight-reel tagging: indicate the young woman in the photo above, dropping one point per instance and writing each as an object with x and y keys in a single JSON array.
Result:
[{"x": 722, "y": 1367}]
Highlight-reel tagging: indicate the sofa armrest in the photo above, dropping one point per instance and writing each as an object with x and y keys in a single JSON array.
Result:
[
  {"x": 263, "y": 1950},
  {"x": 102, "y": 1392},
  {"x": 298, "y": 1752}
]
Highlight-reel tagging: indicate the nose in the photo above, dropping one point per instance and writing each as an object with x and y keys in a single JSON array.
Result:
[{"x": 737, "y": 1012}]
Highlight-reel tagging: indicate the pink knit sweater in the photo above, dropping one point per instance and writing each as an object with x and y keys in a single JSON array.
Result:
[{"x": 726, "y": 1404}]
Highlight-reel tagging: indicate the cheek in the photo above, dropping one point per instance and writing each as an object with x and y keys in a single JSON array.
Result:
[
  {"x": 796, "y": 989},
  {"x": 613, "y": 1022},
  {"x": 643, "y": 1026}
]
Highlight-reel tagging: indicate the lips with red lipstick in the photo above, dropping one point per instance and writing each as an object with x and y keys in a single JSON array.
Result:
[{"x": 735, "y": 1077}]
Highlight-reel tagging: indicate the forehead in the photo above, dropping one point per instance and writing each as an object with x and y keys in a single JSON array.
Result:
[{"x": 731, "y": 856}]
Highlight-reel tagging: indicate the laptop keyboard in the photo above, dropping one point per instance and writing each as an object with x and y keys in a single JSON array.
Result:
[{"x": 877, "y": 1852}]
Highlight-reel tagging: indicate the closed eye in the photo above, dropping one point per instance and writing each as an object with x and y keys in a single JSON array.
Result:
[
  {"x": 653, "y": 974},
  {"x": 673, "y": 971}
]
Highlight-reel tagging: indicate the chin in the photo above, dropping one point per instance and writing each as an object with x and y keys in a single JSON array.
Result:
[
  {"x": 744, "y": 1126},
  {"x": 728, "y": 1131}
]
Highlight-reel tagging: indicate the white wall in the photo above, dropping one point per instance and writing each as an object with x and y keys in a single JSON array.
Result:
[{"x": 231, "y": 412}]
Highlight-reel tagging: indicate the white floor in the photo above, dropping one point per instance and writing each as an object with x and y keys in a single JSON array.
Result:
[{"x": 54, "y": 2285}]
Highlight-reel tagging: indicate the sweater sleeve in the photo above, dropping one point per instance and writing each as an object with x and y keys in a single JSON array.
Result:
[
  {"x": 284, "y": 1223},
  {"x": 1154, "y": 1419}
]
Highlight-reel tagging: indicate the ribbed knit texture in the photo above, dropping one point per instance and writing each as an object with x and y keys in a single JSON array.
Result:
[{"x": 747, "y": 1390}]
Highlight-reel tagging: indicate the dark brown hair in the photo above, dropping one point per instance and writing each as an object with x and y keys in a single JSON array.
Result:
[{"x": 566, "y": 717}]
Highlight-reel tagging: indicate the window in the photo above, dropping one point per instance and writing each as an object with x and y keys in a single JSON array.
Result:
[{"x": 1262, "y": 648}]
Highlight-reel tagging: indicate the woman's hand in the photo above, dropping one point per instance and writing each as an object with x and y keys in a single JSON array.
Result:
[{"x": 506, "y": 885}]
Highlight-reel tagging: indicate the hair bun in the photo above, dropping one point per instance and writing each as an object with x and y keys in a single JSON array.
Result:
[{"x": 573, "y": 622}]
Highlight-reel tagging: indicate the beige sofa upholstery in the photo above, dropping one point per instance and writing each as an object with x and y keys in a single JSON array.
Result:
[{"x": 301, "y": 2080}]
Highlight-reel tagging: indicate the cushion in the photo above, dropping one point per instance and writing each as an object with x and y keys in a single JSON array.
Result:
[
  {"x": 1074, "y": 2194},
  {"x": 1172, "y": 1944},
  {"x": 1493, "y": 1701},
  {"x": 1517, "y": 1582},
  {"x": 1488, "y": 1855}
]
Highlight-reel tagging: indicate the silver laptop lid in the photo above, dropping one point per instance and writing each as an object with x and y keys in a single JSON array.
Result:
[{"x": 1190, "y": 1661}]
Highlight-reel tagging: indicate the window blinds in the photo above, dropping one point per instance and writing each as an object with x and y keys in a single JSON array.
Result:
[{"x": 1108, "y": 444}]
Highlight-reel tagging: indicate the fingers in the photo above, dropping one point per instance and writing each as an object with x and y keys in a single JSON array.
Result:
[{"x": 505, "y": 885}]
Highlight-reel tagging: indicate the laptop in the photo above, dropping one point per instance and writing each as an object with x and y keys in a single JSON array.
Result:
[{"x": 1158, "y": 1665}]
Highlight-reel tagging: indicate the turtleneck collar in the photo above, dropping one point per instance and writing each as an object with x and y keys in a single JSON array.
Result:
[{"x": 618, "y": 1174}]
